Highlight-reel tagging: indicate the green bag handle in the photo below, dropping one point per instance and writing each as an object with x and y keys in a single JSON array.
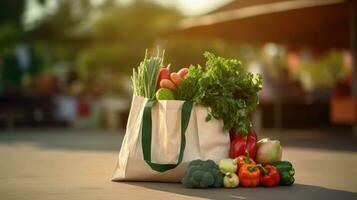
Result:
[{"x": 146, "y": 135}]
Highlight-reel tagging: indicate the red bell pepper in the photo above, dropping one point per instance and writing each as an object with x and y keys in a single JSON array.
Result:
[
  {"x": 249, "y": 176},
  {"x": 240, "y": 144},
  {"x": 270, "y": 176}
]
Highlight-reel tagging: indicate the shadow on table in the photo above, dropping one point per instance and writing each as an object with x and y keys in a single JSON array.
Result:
[{"x": 297, "y": 191}]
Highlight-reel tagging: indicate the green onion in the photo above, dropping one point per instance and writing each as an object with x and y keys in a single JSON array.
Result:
[{"x": 145, "y": 78}]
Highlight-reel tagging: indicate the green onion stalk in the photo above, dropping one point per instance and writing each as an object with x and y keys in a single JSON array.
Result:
[{"x": 146, "y": 76}]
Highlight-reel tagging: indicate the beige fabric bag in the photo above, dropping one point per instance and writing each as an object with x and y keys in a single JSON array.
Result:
[{"x": 204, "y": 140}]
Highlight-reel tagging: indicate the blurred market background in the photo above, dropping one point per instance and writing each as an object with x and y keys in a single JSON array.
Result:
[
  {"x": 67, "y": 64},
  {"x": 65, "y": 89}
]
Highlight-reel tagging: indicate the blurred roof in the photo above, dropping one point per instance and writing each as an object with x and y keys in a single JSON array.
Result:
[
  {"x": 318, "y": 23},
  {"x": 240, "y": 4}
]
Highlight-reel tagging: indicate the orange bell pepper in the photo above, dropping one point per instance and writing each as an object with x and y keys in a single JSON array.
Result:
[
  {"x": 249, "y": 175},
  {"x": 244, "y": 160}
]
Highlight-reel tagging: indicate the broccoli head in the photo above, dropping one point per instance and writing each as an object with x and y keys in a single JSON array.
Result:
[{"x": 202, "y": 174}]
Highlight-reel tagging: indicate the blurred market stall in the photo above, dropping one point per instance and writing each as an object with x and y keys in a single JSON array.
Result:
[{"x": 306, "y": 29}]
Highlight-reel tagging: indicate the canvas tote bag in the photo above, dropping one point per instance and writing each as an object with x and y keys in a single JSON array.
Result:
[{"x": 162, "y": 137}]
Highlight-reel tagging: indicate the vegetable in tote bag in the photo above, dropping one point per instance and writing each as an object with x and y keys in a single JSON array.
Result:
[{"x": 162, "y": 137}]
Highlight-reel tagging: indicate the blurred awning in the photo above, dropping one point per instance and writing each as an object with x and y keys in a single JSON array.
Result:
[{"x": 321, "y": 24}]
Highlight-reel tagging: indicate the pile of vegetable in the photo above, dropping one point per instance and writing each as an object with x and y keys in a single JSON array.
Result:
[
  {"x": 222, "y": 85},
  {"x": 251, "y": 164},
  {"x": 231, "y": 95}
]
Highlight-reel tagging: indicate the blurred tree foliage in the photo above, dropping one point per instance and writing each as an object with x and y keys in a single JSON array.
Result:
[
  {"x": 102, "y": 43},
  {"x": 55, "y": 34},
  {"x": 11, "y": 34},
  {"x": 11, "y": 11},
  {"x": 10, "y": 25},
  {"x": 121, "y": 34}
]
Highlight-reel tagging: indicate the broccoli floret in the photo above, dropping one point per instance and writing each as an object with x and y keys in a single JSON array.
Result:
[{"x": 202, "y": 174}]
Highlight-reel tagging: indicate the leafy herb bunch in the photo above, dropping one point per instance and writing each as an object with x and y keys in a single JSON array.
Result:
[{"x": 229, "y": 92}]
